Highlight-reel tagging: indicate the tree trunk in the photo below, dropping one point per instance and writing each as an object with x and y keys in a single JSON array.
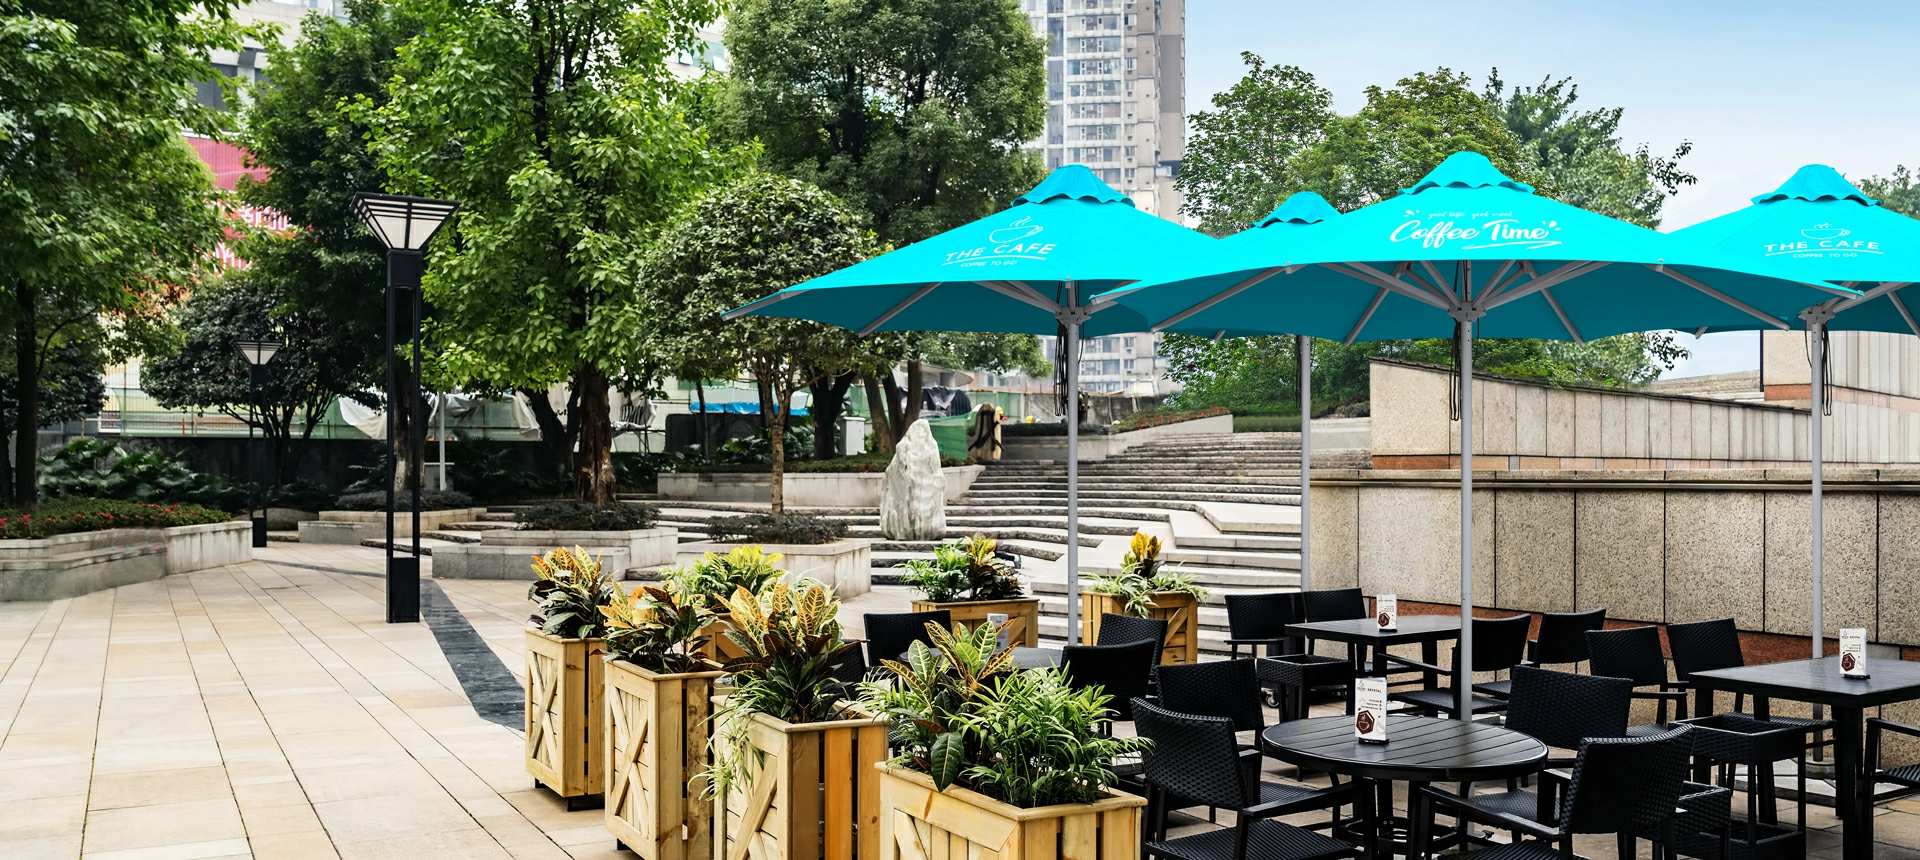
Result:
[
  {"x": 593, "y": 480},
  {"x": 877, "y": 410},
  {"x": 766, "y": 400},
  {"x": 829, "y": 401},
  {"x": 26, "y": 492},
  {"x": 777, "y": 473},
  {"x": 553, "y": 433},
  {"x": 904, "y": 414},
  {"x": 706, "y": 433}
]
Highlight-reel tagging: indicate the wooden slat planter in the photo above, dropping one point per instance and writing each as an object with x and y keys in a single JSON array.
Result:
[
  {"x": 1023, "y": 616},
  {"x": 810, "y": 793},
  {"x": 919, "y": 823},
  {"x": 566, "y": 746},
  {"x": 1178, "y": 607},
  {"x": 719, "y": 648},
  {"x": 657, "y": 730}
]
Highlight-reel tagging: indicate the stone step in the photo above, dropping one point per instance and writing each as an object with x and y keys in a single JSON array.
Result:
[
  {"x": 485, "y": 526},
  {"x": 1059, "y": 538},
  {"x": 283, "y": 537},
  {"x": 452, "y": 536},
  {"x": 1023, "y": 496},
  {"x": 1144, "y": 484},
  {"x": 405, "y": 545},
  {"x": 1230, "y": 559},
  {"x": 1246, "y": 543}
]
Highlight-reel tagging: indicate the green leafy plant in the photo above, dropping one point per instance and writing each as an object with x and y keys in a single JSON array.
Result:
[
  {"x": 714, "y": 577},
  {"x": 1141, "y": 576},
  {"x": 962, "y": 716},
  {"x": 586, "y": 517},
  {"x": 766, "y": 528},
  {"x": 572, "y": 589},
  {"x": 938, "y": 579},
  {"x": 652, "y": 629},
  {"x": 967, "y": 570},
  {"x": 93, "y": 469},
  {"x": 789, "y": 639},
  {"x": 430, "y": 500},
  {"x": 66, "y": 516}
]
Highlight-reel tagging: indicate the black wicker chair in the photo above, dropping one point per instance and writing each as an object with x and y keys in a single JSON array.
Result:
[
  {"x": 1121, "y": 629},
  {"x": 1905, "y": 776},
  {"x": 1623, "y": 786},
  {"x": 889, "y": 634},
  {"x": 1563, "y": 637},
  {"x": 1634, "y": 653},
  {"x": 851, "y": 668},
  {"x": 1255, "y": 621},
  {"x": 1703, "y": 646},
  {"x": 1561, "y": 709},
  {"x": 1497, "y": 647},
  {"x": 1195, "y": 760},
  {"x": 1217, "y": 688},
  {"x": 1122, "y": 670}
]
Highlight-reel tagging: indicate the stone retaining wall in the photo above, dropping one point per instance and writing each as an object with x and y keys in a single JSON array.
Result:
[
  {"x": 352, "y": 527},
  {"x": 506, "y": 553},
  {"x": 74, "y": 564},
  {"x": 807, "y": 490},
  {"x": 1096, "y": 448},
  {"x": 845, "y": 564}
]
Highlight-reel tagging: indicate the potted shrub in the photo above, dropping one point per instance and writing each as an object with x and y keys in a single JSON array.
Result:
[
  {"x": 710, "y": 580},
  {"x": 1144, "y": 590},
  {"x": 997, "y": 761},
  {"x": 565, "y": 741},
  {"x": 793, "y": 760},
  {"x": 968, "y": 580},
  {"x": 623, "y": 533},
  {"x": 659, "y": 708}
]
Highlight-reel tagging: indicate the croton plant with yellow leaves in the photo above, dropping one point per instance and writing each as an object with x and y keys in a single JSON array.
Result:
[
  {"x": 570, "y": 590},
  {"x": 1141, "y": 575}
]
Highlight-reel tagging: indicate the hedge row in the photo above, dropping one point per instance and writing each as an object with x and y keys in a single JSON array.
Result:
[{"x": 69, "y": 515}]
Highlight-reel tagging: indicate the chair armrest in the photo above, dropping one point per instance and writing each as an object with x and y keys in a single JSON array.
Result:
[
  {"x": 1669, "y": 695},
  {"x": 1353, "y": 791},
  {"x": 1460, "y": 808},
  {"x": 1878, "y": 724}
]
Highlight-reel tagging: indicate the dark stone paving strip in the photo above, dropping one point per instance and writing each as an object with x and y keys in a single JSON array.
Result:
[{"x": 496, "y": 695}]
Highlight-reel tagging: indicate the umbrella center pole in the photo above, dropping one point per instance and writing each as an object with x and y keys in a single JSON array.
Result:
[
  {"x": 1817, "y": 347},
  {"x": 1071, "y": 318},
  {"x": 1463, "y": 655},
  {"x": 1303, "y": 348}
]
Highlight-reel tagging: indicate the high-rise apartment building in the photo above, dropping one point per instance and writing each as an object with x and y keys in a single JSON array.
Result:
[{"x": 1116, "y": 93}]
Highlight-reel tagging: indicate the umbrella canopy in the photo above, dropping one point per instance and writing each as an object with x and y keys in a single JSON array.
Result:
[
  {"x": 1818, "y": 226},
  {"x": 1031, "y": 269},
  {"x": 1468, "y": 251}
]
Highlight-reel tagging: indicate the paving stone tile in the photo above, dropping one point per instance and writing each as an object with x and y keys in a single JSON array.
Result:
[
  {"x": 164, "y": 824},
  {"x": 112, "y": 791}
]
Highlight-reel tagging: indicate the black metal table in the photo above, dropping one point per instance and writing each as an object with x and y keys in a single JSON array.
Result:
[
  {"x": 1428, "y": 631},
  {"x": 1036, "y": 658},
  {"x": 1819, "y": 682},
  {"x": 1418, "y": 751}
]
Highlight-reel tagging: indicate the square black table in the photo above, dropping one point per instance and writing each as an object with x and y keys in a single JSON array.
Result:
[
  {"x": 1428, "y": 631},
  {"x": 1819, "y": 682}
]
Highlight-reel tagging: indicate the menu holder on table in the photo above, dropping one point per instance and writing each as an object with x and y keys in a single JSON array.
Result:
[
  {"x": 1386, "y": 611},
  {"x": 1853, "y": 652},
  {"x": 1370, "y": 710}
]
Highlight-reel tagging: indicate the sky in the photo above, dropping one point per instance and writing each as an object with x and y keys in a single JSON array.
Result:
[{"x": 1760, "y": 88}]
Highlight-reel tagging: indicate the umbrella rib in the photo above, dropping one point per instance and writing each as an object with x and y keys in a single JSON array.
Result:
[
  {"x": 757, "y": 304},
  {"x": 1551, "y": 279},
  {"x": 1363, "y": 272},
  {"x": 1102, "y": 302},
  {"x": 1021, "y": 292},
  {"x": 1365, "y": 317},
  {"x": 1217, "y": 298},
  {"x": 1885, "y": 289},
  {"x": 1901, "y": 306},
  {"x": 1500, "y": 282},
  {"x": 896, "y": 309},
  {"x": 1552, "y": 303},
  {"x": 1748, "y": 309},
  {"x": 1433, "y": 277}
]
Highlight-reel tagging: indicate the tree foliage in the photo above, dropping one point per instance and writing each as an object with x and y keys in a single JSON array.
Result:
[
  {"x": 319, "y": 361},
  {"x": 109, "y": 216},
  {"x": 743, "y": 240},
  {"x": 1898, "y": 192},
  {"x": 1579, "y": 154},
  {"x": 556, "y": 125},
  {"x": 1242, "y": 157}
]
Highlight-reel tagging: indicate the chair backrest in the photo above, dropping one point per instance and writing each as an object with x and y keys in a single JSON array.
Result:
[
  {"x": 1263, "y": 616},
  {"x": 1336, "y": 604},
  {"x": 1499, "y": 643},
  {"x": 1561, "y": 709},
  {"x": 1632, "y": 653},
  {"x": 1193, "y": 757},
  {"x": 889, "y": 634},
  {"x": 1626, "y": 784},
  {"x": 1703, "y": 646},
  {"x": 1121, "y": 670},
  {"x": 851, "y": 668},
  {"x": 1121, "y": 629},
  {"x": 1563, "y": 635},
  {"x": 1217, "y": 688}
]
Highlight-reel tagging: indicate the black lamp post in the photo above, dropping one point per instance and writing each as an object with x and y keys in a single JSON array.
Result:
[
  {"x": 403, "y": 224},
  {"x": 257, "y": 354}
]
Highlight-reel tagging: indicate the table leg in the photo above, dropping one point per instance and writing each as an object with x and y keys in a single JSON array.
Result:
[
  {"x": 1702, "y": 707},
  {"x": 1761, "y": 776},
  {"x": 1430, "y": 655},
  {"x": 1852, "y": 794}
]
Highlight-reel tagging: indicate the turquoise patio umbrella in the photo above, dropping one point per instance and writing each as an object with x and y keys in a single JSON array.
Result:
[
  {"x": 1034, "y": 268},
  {"x": 1818, "y": 226},
  {"x": 1468, "y": 252}
]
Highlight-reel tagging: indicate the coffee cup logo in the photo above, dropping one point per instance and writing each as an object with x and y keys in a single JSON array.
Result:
[
  {"x": 1014, "y": 232},
  {"x": 1385, "y": 620},
  {"x": 1364, "y": 722},
  {"x": 1824, "y": 231},
  {"x": 1847, "y": 662}
]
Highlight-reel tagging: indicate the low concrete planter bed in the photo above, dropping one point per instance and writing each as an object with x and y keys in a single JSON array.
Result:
[
  {"x": 846, "y": 565},
  {"x": 352, "y": 527},
  {"x": 503, "y": 553},
  {"x": 70, "y": 565},
  {"x": 807, "y": 490}
]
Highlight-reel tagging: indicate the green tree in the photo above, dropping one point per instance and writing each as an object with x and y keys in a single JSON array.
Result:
[
  {"x": 108, "y": 215},
  {"x": 1241, "y": 157},
  {"x": 912, "y": 111},
  {"x": 70, "y": 389},
  {"x": 556, "y": 126},
  {"x": 320, "y": 361},
  {"x": 1899, "y": 192},
  {"x": 1579, "y": 153},
  {"x": 741, "y": 241}
]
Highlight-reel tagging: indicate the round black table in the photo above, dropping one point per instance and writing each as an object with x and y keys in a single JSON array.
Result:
[{"x": 1419, "y": 750}]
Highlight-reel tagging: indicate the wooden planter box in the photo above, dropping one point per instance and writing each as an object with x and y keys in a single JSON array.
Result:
[
  {"x": 1023, "y": 615},
  {"x": 919, "y": 823},
  {"x": 719, "y": 648},
  {"x": 811, "y": 793},
  {"x": 657, "y": 729},
  {"x": 566, "y": 741},
  {"x": 1179, "y": 608}
]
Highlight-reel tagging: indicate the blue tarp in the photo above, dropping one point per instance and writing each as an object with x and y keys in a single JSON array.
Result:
[{"x": 745, "y": 407}]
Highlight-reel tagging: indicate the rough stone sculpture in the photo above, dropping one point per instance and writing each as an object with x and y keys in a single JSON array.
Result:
[{"x": 913, "y": 500}]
